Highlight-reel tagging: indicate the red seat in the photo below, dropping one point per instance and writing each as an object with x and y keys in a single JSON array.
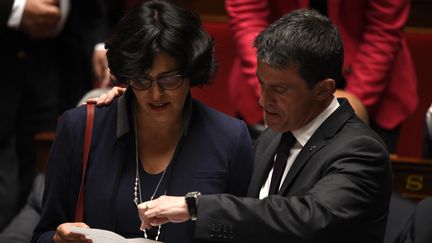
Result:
[
  {"x": 411, "y": 137},
  {"x": 216, "y": 95}
]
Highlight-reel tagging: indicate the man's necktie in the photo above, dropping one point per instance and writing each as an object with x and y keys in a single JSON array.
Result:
[{"x": 282, "y": 153}]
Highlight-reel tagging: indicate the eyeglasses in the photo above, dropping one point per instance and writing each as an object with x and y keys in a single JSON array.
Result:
[{"x": 164, "y": 83}]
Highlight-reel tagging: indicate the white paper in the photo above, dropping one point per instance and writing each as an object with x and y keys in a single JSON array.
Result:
[{"x": 106, "y": 236}]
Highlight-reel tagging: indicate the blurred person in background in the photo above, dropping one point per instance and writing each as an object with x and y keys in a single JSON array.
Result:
[{"x": 45, "y": 64}]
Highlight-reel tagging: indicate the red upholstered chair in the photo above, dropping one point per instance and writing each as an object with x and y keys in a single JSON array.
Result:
[
  {"x": 216, "y": 95},
  {"x": 412, "y": 131}
]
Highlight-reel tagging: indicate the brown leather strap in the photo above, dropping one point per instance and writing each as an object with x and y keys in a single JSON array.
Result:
[{"x": 87, "y": 140}]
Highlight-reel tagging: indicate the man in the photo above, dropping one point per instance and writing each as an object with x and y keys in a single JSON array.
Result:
[
  {"x": 336, "y": 185},
  {"x": 378, "y": 68}
]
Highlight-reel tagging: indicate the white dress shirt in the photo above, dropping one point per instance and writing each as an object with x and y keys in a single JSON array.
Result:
[{"x": 302, "y": 135}]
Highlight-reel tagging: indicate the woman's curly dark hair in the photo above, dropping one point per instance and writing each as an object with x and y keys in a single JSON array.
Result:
[{"x": 160, "y": 26}]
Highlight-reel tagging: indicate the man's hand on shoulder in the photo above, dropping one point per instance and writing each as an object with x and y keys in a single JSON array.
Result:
[{"x": 107, "y": 98}]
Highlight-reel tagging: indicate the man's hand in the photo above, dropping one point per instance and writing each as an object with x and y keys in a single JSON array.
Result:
[
  {"x": 40, "y": 18},
  {"x": 63, "y": 234},
  {"x": 108, "y": 98},
  {"x": 163, "y": 210}
]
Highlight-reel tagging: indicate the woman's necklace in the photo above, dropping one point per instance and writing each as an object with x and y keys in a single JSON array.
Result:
[{"x": 137, "y": 186}]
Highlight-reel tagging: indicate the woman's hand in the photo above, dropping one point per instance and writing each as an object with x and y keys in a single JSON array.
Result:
[
  {"x": 163, "y": 210},
  {"x": 63, "y": 234}
]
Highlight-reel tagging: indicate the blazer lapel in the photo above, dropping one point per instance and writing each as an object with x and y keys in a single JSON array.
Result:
[
  {"x": 263, "y": 164},
  {"x": 121, "y": 157},
  {"x": 312, "y": 146},
  {"x": 326, "y": 131}
]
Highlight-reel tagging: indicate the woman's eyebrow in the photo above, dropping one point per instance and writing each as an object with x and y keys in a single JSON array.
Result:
[{"x": 166, "y": 73}]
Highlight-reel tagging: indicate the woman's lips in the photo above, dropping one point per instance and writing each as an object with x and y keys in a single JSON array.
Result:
[{"x": 158, "y": 106}]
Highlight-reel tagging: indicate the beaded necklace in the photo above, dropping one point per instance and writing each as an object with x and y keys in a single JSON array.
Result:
[{"x": 137, "y": 186}]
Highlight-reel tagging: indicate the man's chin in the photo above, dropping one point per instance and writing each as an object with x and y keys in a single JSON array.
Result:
[{"x": 275, "y": 126}]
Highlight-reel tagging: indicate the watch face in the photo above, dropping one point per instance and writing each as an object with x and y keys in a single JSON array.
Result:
[
  {"x": 193, "y": 194},
  {"x": 191, "y": 201}
]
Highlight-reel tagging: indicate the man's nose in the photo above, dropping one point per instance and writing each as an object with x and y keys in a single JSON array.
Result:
[{"x": 264, "y": 98}]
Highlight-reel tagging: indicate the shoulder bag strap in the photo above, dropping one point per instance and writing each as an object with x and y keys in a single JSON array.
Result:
[{"x": 87, "y": 140}]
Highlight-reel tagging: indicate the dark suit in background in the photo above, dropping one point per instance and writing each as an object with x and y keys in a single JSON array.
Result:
[
  {"x": 339, "y": 184},
  {"x": 20, "y": 229},
  {"x": 40, "y": 78},
  {"x": 419, "y": 227}
]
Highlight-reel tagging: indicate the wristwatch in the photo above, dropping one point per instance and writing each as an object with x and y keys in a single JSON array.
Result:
[{"x": 192, "y": 203}]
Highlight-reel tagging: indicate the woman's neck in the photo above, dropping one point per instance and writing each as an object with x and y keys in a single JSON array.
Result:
[
  {"x": 154, "y": 129},
  {"x": 157, "y": 142}
]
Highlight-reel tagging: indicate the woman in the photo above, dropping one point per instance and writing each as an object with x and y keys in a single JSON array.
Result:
[{"x": 154, "y": 140}]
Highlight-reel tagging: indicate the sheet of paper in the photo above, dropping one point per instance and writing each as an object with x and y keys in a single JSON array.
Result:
[{"x": 106, "y": 236}]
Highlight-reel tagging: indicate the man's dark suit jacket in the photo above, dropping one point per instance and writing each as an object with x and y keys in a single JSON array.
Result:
[
  {"x": 337, "y": 190},
  {"x": 214, "y": 156}
]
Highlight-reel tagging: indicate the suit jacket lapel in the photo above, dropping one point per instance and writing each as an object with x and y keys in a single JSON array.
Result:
[
  {"x": 326, "y": 131},
  {"x": 263, "y": 164},
  {"x": 313, "y": 145},
  {"x": 263, "y": 156}
]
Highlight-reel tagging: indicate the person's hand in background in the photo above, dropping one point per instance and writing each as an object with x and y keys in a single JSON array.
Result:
[{"x": 40, "y": 18}]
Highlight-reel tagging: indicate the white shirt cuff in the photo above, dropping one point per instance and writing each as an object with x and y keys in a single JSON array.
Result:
[
  {"x": 99, "y": 47},
  {"x": 429, "y": 120},
  {"x": 16, "y": 14}
]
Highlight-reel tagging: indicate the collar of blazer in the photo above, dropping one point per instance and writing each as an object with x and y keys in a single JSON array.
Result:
[{"x": 269, "y": 140}]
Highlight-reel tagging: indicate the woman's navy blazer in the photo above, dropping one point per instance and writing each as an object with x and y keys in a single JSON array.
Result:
[{"x": 214, "y": 155}]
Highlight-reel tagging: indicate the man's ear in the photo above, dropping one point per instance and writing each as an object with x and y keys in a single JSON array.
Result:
[{"x": 324, "y": 89}]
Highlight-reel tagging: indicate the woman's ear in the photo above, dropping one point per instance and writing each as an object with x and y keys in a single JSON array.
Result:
[{"x": 324, "y": 89}]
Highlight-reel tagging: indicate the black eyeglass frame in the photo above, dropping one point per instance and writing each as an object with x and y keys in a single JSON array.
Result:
[{"x": 149, "y": 82}]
